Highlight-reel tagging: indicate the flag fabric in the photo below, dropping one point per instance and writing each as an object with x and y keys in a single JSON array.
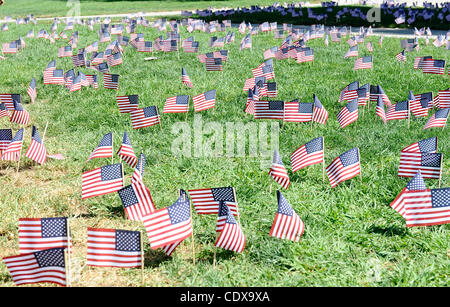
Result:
[
  {"x": 136, "y": 200},
  {"x": 287, "y": 224},
  {"x": 352, "y": 52},
  {"x": 432, "y": 66},
  {"x": 369, "y": 47},
  {"x": 145, "y": 117},
  {"x": 36, "y": 234},
  {"x": 231, "y": 237},
  {"x": 309, "y": 154},
  {"x": 207, "y": 201},
  {"x": 416, "y": 183},
  {"x": 438, "y": 119},
  {"x": 298, "y": 111},
  {"x": 269, "y": 109},
  {"x": 20, "y": 115},
  {"x": 143, "y": 46},
  {"x": 31, "y": 91},
  {"x": 429, "y": 164},
  {"x": 377, "y": 90},
  {"x": 305, "y": 56},
  {"x": 401, "y": 57},
  {"x": 344, "y": 167},
  {"x": 14, "y": 148},
  {"x": 363, "y": 63},
  {"x": 213, "y": 64},
  {"x": 46, "y": 266},
  {"x": 169, "y": 225},
  {"x": 380, "y": 109},
  {"x": 75, "y": 84},
  {"x": 443, "y": 100},
  {"x": 204, "y": 101},
  {"x": 111, "y": 81},
  {"x": 113, "y": 248},
  {"x": 185, "y": 78},
  {"x": 222, "y": 215},
  {"x": 79, "y": 59},
  {"x": 420, "y": 61},
  {"x": 426, "y": 145},
  {"x": 4, "y": 111},
  {"x": 139, "y": 170},
  {"x": 128, "y": 103},
  {"x": 126, "y": 152},
  {"x": 65, "y": 51},
  {"x": 177, "y": 104},
  {"x": 114, "y": 59},
  {"x": 363, "y": 94},
  {"x": 348, "y": 114},
  {"x": 55, "y": 76},
  {"x": 320, "y": 114},
  {"x": 104, "y": 148},
  {"x": 9, "y": 47},
  {"x": 92, "y": 80},
  {"x": 5, "y": 139},
  {"x": 9, "y": 99},
  {"x": 36, "y": 151},
  {"x": 102, "y": 180},
  {"x": 278, "y": 171},
  {"x": 420, "y": 104},
  {"x": 427, "y": 207},
  {"x": 400, "y": 110},
  {"x": 350, "y": 92}
]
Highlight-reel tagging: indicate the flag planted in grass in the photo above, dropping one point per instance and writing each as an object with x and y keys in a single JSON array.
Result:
[
  {"x": 231, "y": 236},
  {"x": 36, "y": 151},
  {"x": 127, "y": 103},
  {"x": 204, "y": 101},
  {"x": 438, "y": 119},
  {"x": 104, "y": 148},
  {"x": 137, "y": 201},
  {"x": 145, "y": 117},
  {"x": 126, "y": 152},
  {"x": 177, "y": 104},
  {"x": 309, "y": 154},
  {"x": 278, "y": 172},
  {"x": 416, "y": 183},
  {"x": 344, "y": 167},
  {"x": 287, "y": 224},
  {"x": 103, "y": 180},
  {"x": 348, "y": 114},
  {"x": 363, "y": 63}
]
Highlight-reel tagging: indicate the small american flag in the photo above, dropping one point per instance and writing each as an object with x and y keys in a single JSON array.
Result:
[
  {"x": 46, "y": 266},
  {"x": 420, "y": 103},
  {"x": 376, "y": 91},
  {"x": 103, "y": 180},
  {"x": 143, "y": 46},
  {"x": 222, "y": 215},
  {"x": 427, "y": 207},
  {"x": 231, "y": 237},
  {"x": 429, "y": 163},
  {"x": 400, "y": 110},
  {"x": 111, "y": 81},
  {"x": 432, "y": 66},
  {"x": 298, "y": 111},
  {"x": 55, "y": 76},
  {"x": 36, "y": 151},
  {"x": 380, "y": 109},
  {"x": 309, "y": 154},
  {"x": 92, "y": 80},
  {"x": 206, "y": 201},
  {"x": 138, "y": 173},
  {"x": 76, "y": 84},
  {"x": 270, "y": 53},
  {"x": 416, "y": 183},
  {"x": 204, "y": 101},
  {"x": 9, "y": 47},
  {"x": 4, "y": 111},
  {"x": 185, "y": 78},
  {"x": 438, "y": 119},
  {"x": 363, "y": 63},
  {"x": 352, "y": 52},
  {"x": 113, "y": 248},
  {"x": 5, "y": 139},
  {"x": 20, "y": 115},
  {"x": 419, "y": 61},
  {"x": 65, "y": 51},
  {"x": 31, "y": 91},
  {"x": 79, "y": 59},
  {"x": 128, "y": 103},
  {"x": 43, "y": 233},
  {"x": 348, "y": 114},
  {"x": 426, "y": 145},
  {"x": 278, "y": 171},
  {"x": 305, "y": 56},
  {"x": 69, "y": 76},
  {"x": 269, "y": 109},
  {"x": 126, "y": 152},
  {"x": 363, "y": 94},
  {"x": 350, "y": 92},
  {"x": 401, "y": 57},
  {"x": 9, "y": 99},
  {"x": 192, "y": 47},
  {"x": 114, "y": 59},
  {"x": 145, "y": 117},
  {"x": 136, "y": 200},
  {"x": 369, "y": 47},
  {"x": 104, "y": 148},
  {"x": 177, "y": 104},
  {"x": 213, "y": 64},
  {"x": 287, "y": 224},
  {"x": 344, "y": 167},
  {"x": 320, "y": 114},
  {"x": 170, "y": 224}
]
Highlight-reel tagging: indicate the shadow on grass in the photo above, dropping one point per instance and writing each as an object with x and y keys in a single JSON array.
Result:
[
  {"x": 207, "y": 256},
  {"x": 153, "y": 258},
  {"x": 388, "y": 231}
]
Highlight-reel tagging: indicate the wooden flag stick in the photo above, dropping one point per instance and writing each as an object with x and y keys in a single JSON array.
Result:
[
  {"x": 323, "y": 161},
  {"x": 215, "y": 250},
  {"x": 142, "y": 259},
  {"x": 237, "y": 208},
  {"x": 440, "y": 171},
  {"x": 157, "y": 112},
  {"x": 360, "y": 172},
  {"x": 45, "y": 131},
  {"x": 68, "y": 272},
  {"x": 193, "y": 243},
  {"x": 112, "y": 156}
]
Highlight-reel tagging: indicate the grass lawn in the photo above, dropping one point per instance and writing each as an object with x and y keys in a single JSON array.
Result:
[{"x": 352, "y": 237}]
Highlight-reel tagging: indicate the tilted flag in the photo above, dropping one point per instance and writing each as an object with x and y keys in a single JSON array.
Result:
[
  {"x": 204, "y": 101},
  {"x": 145, "y": 117},
  {"x": 20, "y": 115},
  {"x": 380, "y": 109},
  {"x": 114, "y": 59},
  {"x": 416, "y": 183},
  {"x": 213, "y": 64},
  {"x": 320, "y": 114},
  {"x": 4, "y": 112},
  {"x": 348, "y": 114},
  {"x": 75, "y": 84},
  {"x": 420, "y": 103},
  {"x": 138, "y": 173},
  {"x": 432, "y": 66},
  {"x": 104, "y": 148},
  {"x": 400, "y": 110},
  {"x": 55, "y": 76},
  {"x": 222, "y": 215},
  {"x": 376, "y": 91},
  {"x": 429, "y": 164},
  {"x": 128, "y": 103},
  {"x": 309, "y": 154},
  {"x": 144, "y": 46},
  {"x": 177, "y": 104},
  {"x": 287, "y": 224},
  {"x": 443, "y": 99},
  {"x": 278, "y": 171},
  {"x": 350, "y": 92},
  {"x": 363, "y": 63},
  {"x": 137, "y": 200},
  {"x": 401, "y": 57},
  {"x": 369, "y": 47},
  {"x": 296, "y": 111},
  {"x": 426, "y": 145},
  {"x": 113, "y": 248},
  {"x": 185, "y": 78},
  {"x": 344, "y": 167},
  {"x": 36, "y": 151},
  {"x": 207, "y": 201},
  {"x": 31, "y": 91},
  {"x": 170, "y": 224},
  {"x": 438, "y": 119},
  {"x": 92, "y": 80},
  {"x": 36, "y": 234},
  {"x": 305, "y": 56},
  {"x": 103, "y": 180},
  {"x": 65, "y": 51},
  {"x": 111, "y": 81},
  {"x": 9, "y": 47},
  {"x": 5, "y": 139},
  {"x": 46, "y": 266},
  {"x": 79, "y": 59},
  {"x": 269, "y": 109},
  {"x": 352, "y": 52},
  {"x": 363, "y": 94},
  {"x": 231, "y": 237},
  {"x": 9, "y": 99},
  {"x": 126, "y": 152}
]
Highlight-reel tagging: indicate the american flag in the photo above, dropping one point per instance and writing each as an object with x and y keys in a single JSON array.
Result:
[
  {"x": 246, "y": 42},
  {"x": 344, "y": 167},
  {"x": 75, "y": 85},
  {"x": 309, "y": 154},
  {"x": 170, "y": 224},
  {"x": 31, "y": 91},
  {"x": 127, "y": 103},
  {"x": 92, "y": 47},
  {"x": 185, "y": 78},
  {"x": 298, "y": 111},
  {"x": 92, "y": 80},
  {"x": 400, "y": 110},
  {"x": 438, "y": 119},
  {"x": 20, "y": 115},
  {"x": 429, "y": 163},
  {"x": 204, "y": 101},
  {"x": 46, "y": 266},
  {"x": 287, "y": 224},
  {"x": 55, "y": 76},
  {"x": 9, "y": 47},
  {"x": 419, "y": 61},
  {"x": 432, "y": 66},
  {"x": 348, "y": 114},
  {"x": 278, "y": 171},
  {"x": 143, "y": 46},
  {"x": 305, "y": 56},
  {"x": 116, "y": 29},
  {"x": 369, "y": 47},
  {"x": 264, "y": 70},
  {"x": 9, "y": 99},
  {"x": 4, "y": 111},
  {"x": 5, "y": 139},
  {"x": 377, "y": 90},
  {"x": 43, "y": 233},
  {"x": 30, "y": 34},
  {"x": 103, "y": 180},
  {"x": 192, "y": 48},
  {"x": 136, "y": 200},
  {"x": 139, "y": 170},
  {"x": 104, "y": 37},
  {"x": 79, "y": 59},
  {"x": 380, "y": 109},
  {"x": 206, "y": 201},
  {"x": 401, "y": 57},
  {"x": 270, "y": 53},
  {"x": 169, "y": 45},
  {"x": 223, "y": 54},
  {"x": 269, "y": 109},
  {"x": 353, "y": 51},
  {"x": 363, "y": 63},
  {"x": 427, "y": 207},
  {"x": 320, "y": 114},
  {"x": 114, "y": 59},
  {"x": 269, "y": 90},
  {"x": 222, "y": 215},
  {"x": 420, "y": 104},
  {"x": 416, "y": 183},
  {"x": 231, "y": 237},
  {"x": 352, "y": 41},
  {"x": 65, "y": 51},
  {"x": 111, "y": 81},
  {"x": 442, "y": 100},
  {"x": 126, "y": 152},
  {"x": 97, "y": 58},
  {"x": 363, "y": 94},
  {"x": 350, "y": 92},
  {"x": 213, "y": 64},
  {"x": 36, "y": 151},
  {"x": 104, "y": 148},
  {"x": 426, "y": 145},
  {"x": 251, "y": 82},
  {"x": 113, "y": 248},
  {"x": 177, "y": 104},
  {"x": 145, "y": 117}
]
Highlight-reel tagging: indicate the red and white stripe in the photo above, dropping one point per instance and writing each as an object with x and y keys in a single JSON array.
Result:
[
  {"x": 410, "y": 163},
  {"x": 231, "y": 238},
  {"x": 37, "y": 152},
  {"x": 31, "y": 240},
  {"x": 420, "y": 212},
  {"x": 92, "y": 184},
  {"x": 337, "y": 173},
  {"x": 287, "y": 227}
]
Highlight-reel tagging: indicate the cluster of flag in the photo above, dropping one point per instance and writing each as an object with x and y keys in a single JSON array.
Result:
[
  {"x": 12, "y": 108},
  {"x": 180, "y": 104}
]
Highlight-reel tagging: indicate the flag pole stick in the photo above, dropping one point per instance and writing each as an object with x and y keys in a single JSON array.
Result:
[
  {"x": 193, "y": 243},
  {"x": 142, "y": 259},
  {"x": 360, "y": 172},
  {"x": 112, "y": 149},
  {"x": 45, "y": 131},
  {"x": 323, "y": 161},
  {"x": 440, "y": 171},
  {"x": 157, "y": 112},
  {"x": 65, "y": 266},
  {"x": 237, "y": 208},
  {"x": 68, "y": 273}
]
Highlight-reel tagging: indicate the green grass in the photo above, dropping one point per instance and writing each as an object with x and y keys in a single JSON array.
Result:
[{"x": 352, "y": 237}]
